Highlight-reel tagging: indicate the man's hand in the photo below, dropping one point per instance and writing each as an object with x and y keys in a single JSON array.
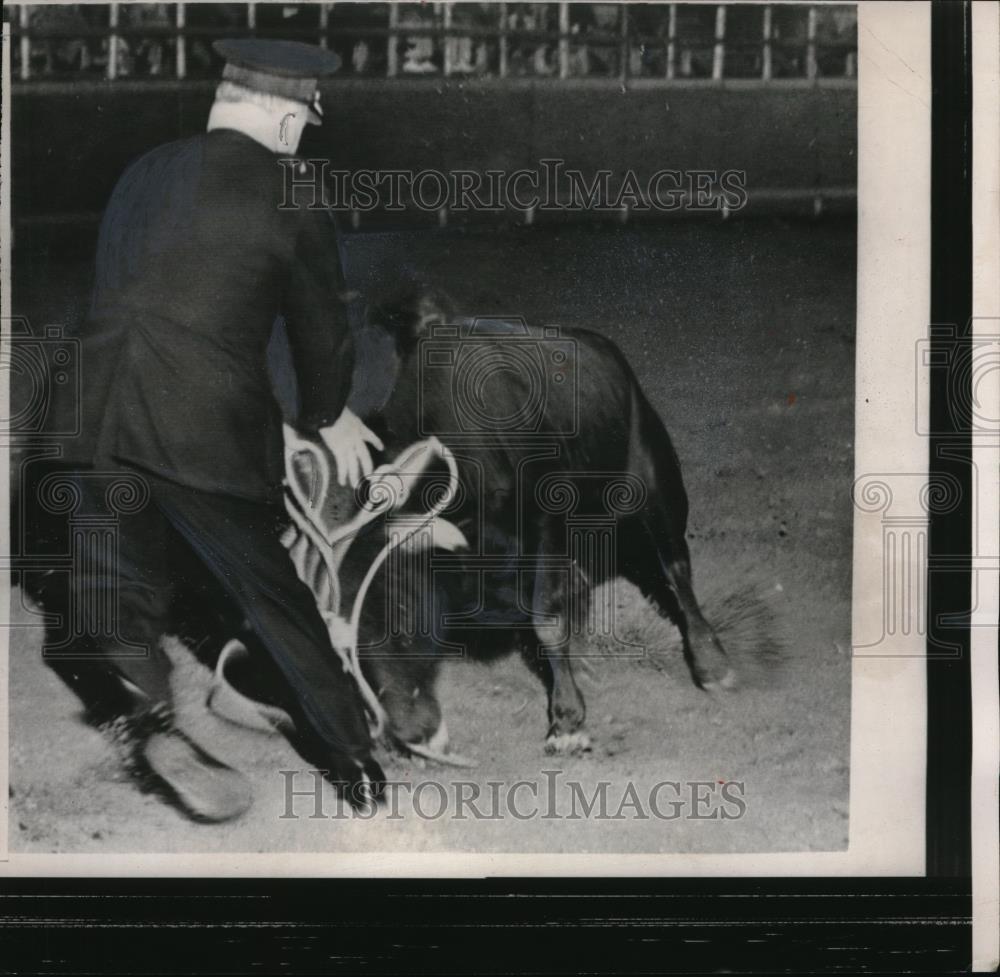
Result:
[{"x": 348, "y": 439}]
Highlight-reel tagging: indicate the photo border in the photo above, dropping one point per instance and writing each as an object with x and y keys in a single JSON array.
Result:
[{"x": 589, "y": 923}]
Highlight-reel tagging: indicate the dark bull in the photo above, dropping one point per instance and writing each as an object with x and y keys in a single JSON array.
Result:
[{"x": 567, "y": 480}]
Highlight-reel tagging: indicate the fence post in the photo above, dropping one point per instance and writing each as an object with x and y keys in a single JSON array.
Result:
[
  {"x": 392, "y": 55},
  {"x": 766, "y": 65},
  {"x": 503, "y": 40},
  {"x": 251, "y": 16},
  {"x": 112, "y": 42},
  {"x": 564, "y": 40},
  {"x": 324, "y": 24},
  {"x": 448, "y": 42},
  {"x": 625, "y": 46},
  {"x": 811, "y": 68},
  {"x": 25, "y": 43},
  {"x": 719, "y": 51},
  {"x": 672, "y": 41},
  {"x": 181, "y": 42}
]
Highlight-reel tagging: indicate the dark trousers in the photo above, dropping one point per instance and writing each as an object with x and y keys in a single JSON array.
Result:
[{"x": 219, "y": 549}]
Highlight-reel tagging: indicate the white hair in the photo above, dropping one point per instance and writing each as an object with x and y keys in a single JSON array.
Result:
[{"x": 229, "y": 91}]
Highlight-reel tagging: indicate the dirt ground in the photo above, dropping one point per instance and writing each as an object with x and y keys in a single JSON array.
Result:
[{"x": 742, "y": 334}]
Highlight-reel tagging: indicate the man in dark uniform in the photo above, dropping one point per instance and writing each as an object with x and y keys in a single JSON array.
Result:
[{"x": 196, "y": 259}]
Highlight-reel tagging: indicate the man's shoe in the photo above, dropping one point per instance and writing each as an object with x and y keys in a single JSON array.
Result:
[
  {"x": 360, "y": 782},
  {"x": 203, "y": 787}
]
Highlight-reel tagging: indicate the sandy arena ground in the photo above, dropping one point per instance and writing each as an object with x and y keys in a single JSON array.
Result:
[{"x": 742, "y": 334}]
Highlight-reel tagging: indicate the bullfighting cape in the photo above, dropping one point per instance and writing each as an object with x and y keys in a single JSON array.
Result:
[{"x": 326, "y": 521}]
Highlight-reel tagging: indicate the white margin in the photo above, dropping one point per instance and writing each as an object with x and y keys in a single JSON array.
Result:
[
  {"x": 986, "y": 504},
  {"x": 5, "y": 314}
]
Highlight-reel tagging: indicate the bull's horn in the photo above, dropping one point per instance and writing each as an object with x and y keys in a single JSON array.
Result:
[{"x": 447, "y": 759}]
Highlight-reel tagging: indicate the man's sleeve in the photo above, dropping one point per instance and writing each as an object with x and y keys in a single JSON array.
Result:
[{"x": 316, "y": 319}]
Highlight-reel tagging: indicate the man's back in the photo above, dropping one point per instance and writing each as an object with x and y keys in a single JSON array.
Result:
[
  {"x": 195, "y": 260},
  {"x": 194, "y": 231}
]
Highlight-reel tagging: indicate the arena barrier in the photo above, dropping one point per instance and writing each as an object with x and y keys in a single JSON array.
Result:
[
  {"x": 770, "y": 90},
  {"x": 657, "y": 41}
]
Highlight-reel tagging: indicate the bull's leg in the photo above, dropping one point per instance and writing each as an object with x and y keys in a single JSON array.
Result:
[
  {"x": 668, "y": 583},
  {"x": 703, "y": 651},
  {"x": 551, "y": 617}
]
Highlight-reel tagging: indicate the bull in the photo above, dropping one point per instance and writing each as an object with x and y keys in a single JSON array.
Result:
[{"x": 565, "y": 479}]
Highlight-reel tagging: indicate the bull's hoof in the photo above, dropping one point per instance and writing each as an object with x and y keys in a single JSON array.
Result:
[
  {"x": 726, "y": 681},
  {"x": 568, "y": 744}
]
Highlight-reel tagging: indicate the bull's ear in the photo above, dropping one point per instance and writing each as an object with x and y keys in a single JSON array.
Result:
[{"x": 397, "y": 313}]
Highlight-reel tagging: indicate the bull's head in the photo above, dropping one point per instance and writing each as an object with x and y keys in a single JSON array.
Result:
[{"x": 409, "y": 313}]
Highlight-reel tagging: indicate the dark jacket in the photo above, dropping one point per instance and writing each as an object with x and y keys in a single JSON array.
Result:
[{"x": 196, "y": 258}]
